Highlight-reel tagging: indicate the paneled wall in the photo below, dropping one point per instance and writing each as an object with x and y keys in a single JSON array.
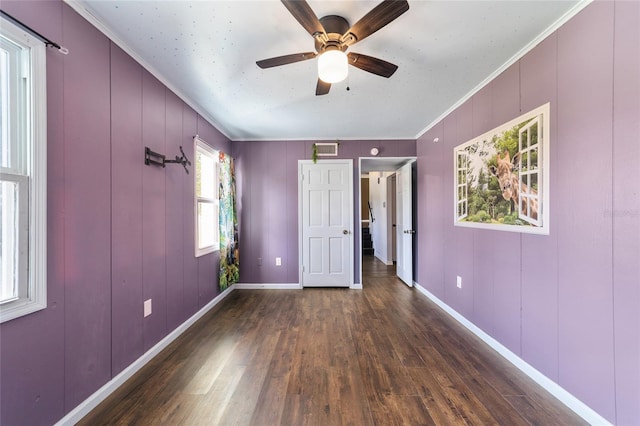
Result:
[
  {"x": 567, "y": 303},
  {"x": 268, "y": 202},
  {"x": 119, "y": 232}
]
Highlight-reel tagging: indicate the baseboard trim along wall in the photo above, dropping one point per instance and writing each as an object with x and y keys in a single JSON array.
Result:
[
  {"x": 573, "y": 403},
  {"x": 248, "y": 286},
  {"x": 75, "y": 415},
  {"x": 108, "y": 388},
  {"x": 270, "y": 286}
]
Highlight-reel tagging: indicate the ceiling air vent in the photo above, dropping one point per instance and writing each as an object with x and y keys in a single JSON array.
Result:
[{"x": 327, "y": 149}]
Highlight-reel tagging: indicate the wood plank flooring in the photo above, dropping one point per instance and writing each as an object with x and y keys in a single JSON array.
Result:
[{"x": 385, "y": 355}]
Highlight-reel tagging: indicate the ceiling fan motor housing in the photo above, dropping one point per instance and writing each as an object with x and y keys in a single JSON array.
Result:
[{"x": 335, "y": 26}]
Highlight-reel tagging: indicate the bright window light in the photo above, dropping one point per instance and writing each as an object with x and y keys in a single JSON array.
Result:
[
  {"x": 23, "y": 173},
  {"x": 206, "y": 198}
]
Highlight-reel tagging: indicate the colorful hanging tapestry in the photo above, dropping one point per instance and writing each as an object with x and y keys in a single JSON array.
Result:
[{"x": 229, "y": 254}]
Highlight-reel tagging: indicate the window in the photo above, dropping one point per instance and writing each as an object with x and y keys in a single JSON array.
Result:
[
  {"x": 206, "y": 198},
  {"x": 462, "y": 167},
  {"x": 530, "y": 191},
  {"x": 23, "y": 156}
]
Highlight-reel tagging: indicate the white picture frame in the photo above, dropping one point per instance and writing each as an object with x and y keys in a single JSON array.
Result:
[{"x": 501, "y": 178}]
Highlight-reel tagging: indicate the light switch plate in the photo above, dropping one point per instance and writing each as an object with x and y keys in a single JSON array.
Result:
[{"x": 147, "y": 307}]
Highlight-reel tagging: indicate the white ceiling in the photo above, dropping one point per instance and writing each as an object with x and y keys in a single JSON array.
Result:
[{"x": 205, "y": 51}]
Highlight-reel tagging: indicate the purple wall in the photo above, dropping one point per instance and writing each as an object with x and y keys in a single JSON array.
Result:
[
  {"x": 119, "y": 232},
  {"x": 268, "y": 202},
  {"x": 566, "y": 303}
]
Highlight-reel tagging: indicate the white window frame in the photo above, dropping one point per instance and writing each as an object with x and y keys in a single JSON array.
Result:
[
  {"x": 529, "y": 197},
  {"x": 462, "y": 167},
  {"x": 201, "y": 146},
  {"x": 26, "y": 133}
]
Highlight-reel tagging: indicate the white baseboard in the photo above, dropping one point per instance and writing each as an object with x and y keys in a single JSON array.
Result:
[
  {"x": 385, "y": 261},
  {"x": 248, "y": 286},
  {"x": 573, "y": 403},
  {"x": 75, "y": 415}
]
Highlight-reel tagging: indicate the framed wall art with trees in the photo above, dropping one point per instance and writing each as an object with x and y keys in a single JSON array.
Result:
[{"x": 501, "y": 178}]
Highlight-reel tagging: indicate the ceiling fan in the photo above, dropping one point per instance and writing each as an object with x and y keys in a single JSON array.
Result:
[{"x": 333, "y": 36}]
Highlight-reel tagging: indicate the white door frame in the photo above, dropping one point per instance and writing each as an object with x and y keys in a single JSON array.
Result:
[
  {"x": 405, "y": 236},
  {"x": 384, "y": 161},
  {"x": 350, "y": 207}
]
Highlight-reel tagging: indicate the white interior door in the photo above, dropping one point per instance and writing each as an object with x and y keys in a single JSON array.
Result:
[
  {"x": 326, "y": 223},
  {"x": 404, "y": 225},
  {"x": 394, "y": 221}
]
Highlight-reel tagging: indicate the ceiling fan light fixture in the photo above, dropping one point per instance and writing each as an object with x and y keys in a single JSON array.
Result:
[{"x": 333, "y": 66}]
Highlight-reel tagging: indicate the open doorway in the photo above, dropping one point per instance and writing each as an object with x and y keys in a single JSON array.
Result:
[
  {"x": 378, "y": 224},
  {"x": 378, "y": 249}
]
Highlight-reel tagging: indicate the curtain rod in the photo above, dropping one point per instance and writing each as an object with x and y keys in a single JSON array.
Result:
[{"x": 45, "y": 40}]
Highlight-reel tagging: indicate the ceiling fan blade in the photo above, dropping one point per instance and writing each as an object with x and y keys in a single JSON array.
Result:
[
  {"x": 322, "y": 88},
  {"x": 371, "y": 64},
  {"x": 303, "y": 13},
  {"x": 377, "y": 18},
  {"x": 286, "y": 59}
]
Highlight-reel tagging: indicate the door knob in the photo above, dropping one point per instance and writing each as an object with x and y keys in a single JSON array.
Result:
[{"x": 345, "y": 232}]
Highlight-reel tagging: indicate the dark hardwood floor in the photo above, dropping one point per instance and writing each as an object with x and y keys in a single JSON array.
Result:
[{"x": 385, "y": 355}]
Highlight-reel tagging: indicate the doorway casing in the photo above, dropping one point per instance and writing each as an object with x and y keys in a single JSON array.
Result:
[
  {"x": 325, "y": 223},
  {"x": 375, "y": 164}
]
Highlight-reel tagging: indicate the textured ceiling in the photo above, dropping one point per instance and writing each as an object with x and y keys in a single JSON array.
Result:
[{"x": 206, "y": 51}]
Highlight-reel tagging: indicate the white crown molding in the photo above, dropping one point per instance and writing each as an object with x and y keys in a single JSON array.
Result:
[
  {"x": 82, "y": 10},
  {"x": 515, "y": 58}
]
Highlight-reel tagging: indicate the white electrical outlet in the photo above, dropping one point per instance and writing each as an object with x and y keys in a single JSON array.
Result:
[
  {"x": 459, "y": 281},
  {"x": 147, "y": 307},
  {"x": 278, "y": 261}
]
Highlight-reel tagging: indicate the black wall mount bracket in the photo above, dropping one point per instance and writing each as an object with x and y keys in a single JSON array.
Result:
[{"x": 156, "y": 159}]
